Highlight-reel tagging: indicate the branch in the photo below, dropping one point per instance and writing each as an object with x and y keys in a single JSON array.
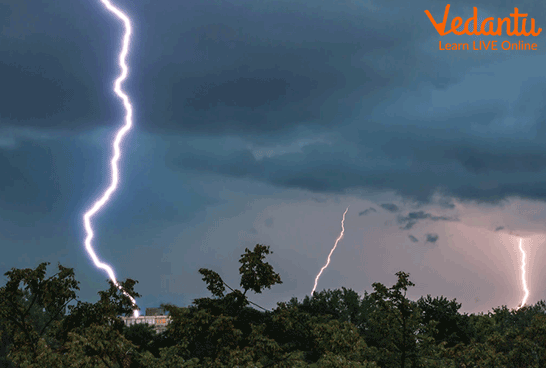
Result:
[
  {"x": 31, "y": 303},
  {"x": 246, "y": 298},
  {"x": 52, "y": 277},
  {"x": 22, "y": 326},
  {"x": 229, "y": 287},
  {"x": 56, "y": 314},
  {"x": 104, "y": 361}
]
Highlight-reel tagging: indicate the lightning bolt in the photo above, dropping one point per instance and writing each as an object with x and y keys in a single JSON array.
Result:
[
  {"x": 332, "y": 251},
  {"x": 523, "y": 275},
  {"x": 114, "y": 163}
]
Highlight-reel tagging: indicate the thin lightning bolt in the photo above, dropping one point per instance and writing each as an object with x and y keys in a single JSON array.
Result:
[
  {"x": 119, "y": 136},
  {"x": 523, "y": 275},
  {"x": 332, "y": 251}
]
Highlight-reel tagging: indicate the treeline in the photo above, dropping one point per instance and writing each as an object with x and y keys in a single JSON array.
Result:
[{"x": 332, "y": 329}]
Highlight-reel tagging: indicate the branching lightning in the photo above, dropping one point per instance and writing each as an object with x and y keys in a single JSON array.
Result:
[
  {"x": 523, "y": 280},
  {"x": 332, "y": 251},
  {"x": 119, "y": 136}
]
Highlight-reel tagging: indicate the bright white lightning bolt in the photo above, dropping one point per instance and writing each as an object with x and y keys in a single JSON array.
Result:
[
  {"x": 523, "y": 275},
  {"x": 120, "y": 134},
  {"x": 332, "y": 251}
]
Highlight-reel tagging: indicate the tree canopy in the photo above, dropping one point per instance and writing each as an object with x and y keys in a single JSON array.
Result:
[{"x": 39, "y": 327}]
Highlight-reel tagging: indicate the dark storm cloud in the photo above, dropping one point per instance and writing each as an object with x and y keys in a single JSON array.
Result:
[
  {"x": 446, "y": 203},
  {"x": 28, "y": 182},
  {"x": 366, "y": 211},
  {"x": 235, "y": 71},
  {"x": 53, "y": 67},
  {"x": 413, "y": 238},
  {"x": 397, "y": 115},
  {"x": 269, "y": 222},
  {"x": 247, "y": 101},
  {"x": 390, "y": 207},
  {"x": 246, "y": 80},
  {"x": 479, "y": 162},
  {"x": 238, "y": 164},
  {"x": 432, "y": 238},
  {"x": 403, "y": 116},
  {"x": 55, "y": 180},
  {"x": 499, "y": 228},
  {"x": 243, "y": 92},
  {"x": 319, "y": 200},
  {"x": 47, "y": 96},
  {"x": 413, "y": 217},
  {"x": 326, "y": 168}
]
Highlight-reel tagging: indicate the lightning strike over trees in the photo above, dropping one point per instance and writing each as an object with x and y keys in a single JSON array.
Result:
[
  {"x": 332, "y": 251},
  {"x": 523, "y": 280},
  {"x": 119, "y": 136}
]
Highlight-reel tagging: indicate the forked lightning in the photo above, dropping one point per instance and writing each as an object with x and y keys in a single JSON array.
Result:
[
  {"x": 523, "y": 280},
  {"x": 119, "y": 136},
  {"x": 332, "y": 251}
]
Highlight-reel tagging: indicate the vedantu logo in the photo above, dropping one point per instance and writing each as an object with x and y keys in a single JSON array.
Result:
[{"x": 488, "y": 28}]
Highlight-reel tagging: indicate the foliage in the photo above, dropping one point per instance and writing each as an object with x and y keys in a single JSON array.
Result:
[
  {"x": 452, "y": 327},
  {"x": 394, "y": 324},
  {"x": 331, "y": 329},
  {"x": 142, "y": 335},
  {"x": 20, "y": 308}
]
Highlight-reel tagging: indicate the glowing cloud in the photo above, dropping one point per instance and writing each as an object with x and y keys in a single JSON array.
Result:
[
  {"x": 332, "y": 251},
  {"x": 119, "y": 136}
]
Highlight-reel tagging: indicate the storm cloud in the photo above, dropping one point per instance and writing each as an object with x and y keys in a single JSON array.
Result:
[
  {"x": 366, "y": 211},
  {"x": 375, "y": 101},
  {"x": 249, "y": 111},
  {"x": 432, "y": 238},
  {"x": 413, "y": 217},
  {"x": 390, "y": 207}
]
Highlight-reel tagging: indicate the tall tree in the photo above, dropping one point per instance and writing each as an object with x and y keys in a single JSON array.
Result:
[
  {"x": 452, "y": 327},
  {"x": 33, "y": 307},
  {"x": 29, "y": 313},
  {"x": 213, "y": 328},
  {"x": 394, "y": 324},
  {"x": 342, "y": 304}
]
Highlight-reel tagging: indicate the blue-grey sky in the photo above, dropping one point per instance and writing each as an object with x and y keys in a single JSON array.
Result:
[{"x": 260, "y": 122}]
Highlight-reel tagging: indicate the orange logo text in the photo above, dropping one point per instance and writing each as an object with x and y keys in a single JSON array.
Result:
[{"x": 492, "y": 31}]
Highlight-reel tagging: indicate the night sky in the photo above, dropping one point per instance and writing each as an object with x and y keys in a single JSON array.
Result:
[{"x": 260, "y": 122}]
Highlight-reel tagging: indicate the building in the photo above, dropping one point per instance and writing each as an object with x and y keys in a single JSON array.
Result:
[{"x": 155, "y": 317}]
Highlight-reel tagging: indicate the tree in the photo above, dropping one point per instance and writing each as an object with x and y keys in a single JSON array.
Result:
[
  {"x": 38, "y": 317},
  {"x": 292, "y": 329},
  {"x": 536, "y": 334},
  {"x": 394, "y": 324},
  {"x": 332, "y": 329},
  {"x": 19, "y": 308},
  {"x": 340, "y": 345},
  {"x": 476, "y": 354},
  {"x": 212, "y": 329},
  {"x": 341, "y": 304},
  {"x": 257, "y": 275},
  {"x": 510, "y": 335},
  {"x": 452, "y": 327},
  {"x": 87, "y": 337},
  {"x": 142, "y": 335},
  {"x": 5, "y": 345}
]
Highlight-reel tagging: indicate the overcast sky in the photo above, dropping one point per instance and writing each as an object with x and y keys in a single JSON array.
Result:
[{"x": 260, "y": 122}]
